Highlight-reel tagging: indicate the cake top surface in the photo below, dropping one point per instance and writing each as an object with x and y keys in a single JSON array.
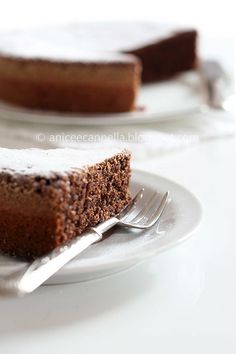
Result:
[
  {"x": 46, "y": 162},
  {"x": 27, "y": 48},
  {"x": 87, "y": 41}
]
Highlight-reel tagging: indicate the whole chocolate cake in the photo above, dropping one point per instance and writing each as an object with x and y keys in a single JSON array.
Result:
[
  {"x": 91, "y": 67},
  {"x": 47, "y": 197}
]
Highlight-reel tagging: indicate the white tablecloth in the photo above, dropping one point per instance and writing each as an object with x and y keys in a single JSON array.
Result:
[{"x": 143, "y": 140}]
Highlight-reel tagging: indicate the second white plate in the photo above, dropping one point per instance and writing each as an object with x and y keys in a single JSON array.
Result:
[{"x": 158, "y": 102}]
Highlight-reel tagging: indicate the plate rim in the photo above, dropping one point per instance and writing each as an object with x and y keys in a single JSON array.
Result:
[
  {"x": 70, "y": 270},
  {"x": 121, "y": 118},
  {"x": 21, "y": 114}
]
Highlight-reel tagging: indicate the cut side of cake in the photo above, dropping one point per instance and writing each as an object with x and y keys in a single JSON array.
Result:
[
  {"x": 168, "y": 56},
  {"x": 164, "y": 50},
  {"x": 48, "y": 197}
]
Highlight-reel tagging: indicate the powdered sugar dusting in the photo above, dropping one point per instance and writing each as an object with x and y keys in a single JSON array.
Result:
[
  {"x": 57, "y": 46},
  {"x": 87, "y": 41},
  {"x": 46, "y": 162}
]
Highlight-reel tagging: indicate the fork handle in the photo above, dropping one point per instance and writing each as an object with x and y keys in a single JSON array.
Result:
[{"x": 36, "y": 273}]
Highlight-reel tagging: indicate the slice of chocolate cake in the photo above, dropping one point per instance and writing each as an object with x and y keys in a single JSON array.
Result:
[{"x": 47, "y": 197}]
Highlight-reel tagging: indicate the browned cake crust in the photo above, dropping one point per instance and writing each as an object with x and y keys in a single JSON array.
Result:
[
  {"x": 38, "y": 214},
  {"x": 100, "y": 87}
]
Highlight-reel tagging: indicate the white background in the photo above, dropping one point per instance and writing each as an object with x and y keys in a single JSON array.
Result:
[
  {"x": 214, "y": 17},
  {"x": 180, "y": 302}
]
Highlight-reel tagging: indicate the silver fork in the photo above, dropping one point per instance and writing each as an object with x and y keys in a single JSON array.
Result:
[{"x": 138, "y": 215}]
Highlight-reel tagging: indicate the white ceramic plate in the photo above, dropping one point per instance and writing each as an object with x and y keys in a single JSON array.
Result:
[
  {"x": 125, "y": 248},
  {"x": 161, "y": 101}
]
